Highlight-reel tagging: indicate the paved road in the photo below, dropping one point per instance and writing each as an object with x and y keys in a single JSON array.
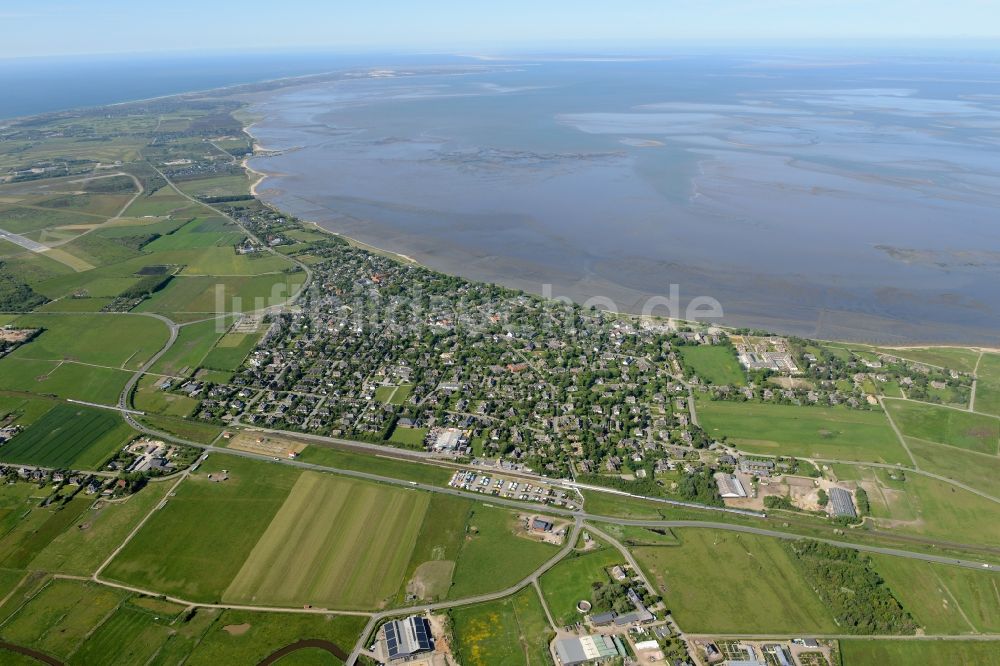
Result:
[{"x": 18, "y": 239}]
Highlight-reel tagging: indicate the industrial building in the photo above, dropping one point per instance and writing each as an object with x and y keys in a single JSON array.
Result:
[{"x": 729, "y": 486}]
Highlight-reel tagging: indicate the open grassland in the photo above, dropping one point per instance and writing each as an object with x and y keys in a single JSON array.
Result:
[
  {"x": 933, "y": 508},
  {"x": 188, "y": 429},
  {"x": 68, "y": 436},
  {"x": 988, "y": 386},
  {"x": 58, "y": 619},
  {"x": 860, "y": 652},
  {"x": 130, "y": 636},
  {"x": 409, "y": 438},
  {"x": 495, "y": 554},
  {"x": 216, "y": 186},
  {"x": 150, "y": 399},
  {"x": 977, "y": 471},
  {"x": 953, "y": 358},
  {"x": 63, "y": 379},
  {"x": 944, "y": 599},
  {"x": 115, "y": 340},
  {"x": 213, "y": 527},
  {"x": 752, "y": 572},
  {"x": 199, "y": 232},
  {"x": 260, "y": 634},
  {"x": 432, "y": 563},
  {"x": 231, "y": 350},
  {"x": 224, "y": 294},
  {"x": 84, "y": 545},
  {"x": 376, "y": 464},
  {"x": 572, "y": 579},
  {"x": 36, "y": 529},
  {"x": 192, "y": 345},
  {"x": 214, "y": 260},
  {"x": 715, "y": 364},
  {"x": 821, "y": 432},
  {"x": 511, "y": 632},
  {"x": 944, "y": 425},
  {"x": 335, "y": 543}
]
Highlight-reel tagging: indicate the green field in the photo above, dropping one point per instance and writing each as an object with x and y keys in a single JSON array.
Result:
[
  {"x": 988, "y": 386},
  {"x": 756, "y": 586},
  {"x": 945, "y": 425},
  {"x": 200, "y": 519},
  {"x": 116, "y": 340},
  {"x": 268, "y": 632},
  {"x": 224, "y": 294},
  {"x": 58, "y": 619},
  {"x": 63, "y": 379},
  {"x": 81, "y": 548},
  {"x": 335, "y": 543},
  {"x": 977, "y": 471},
  {"x": 376, "y": 464},
  {"x": 820, "y": 432},
  {"x": 859, "y": 652},
  {"x": 715, "y": 364},
  {"x": 432, "y": 563},
  {"x": 511, "y": 632},
  {"x": 954, "y": 358},
  {"x": 947, "y": 600},
  {"x": 68, "y": 435},
  {"x": 393, "y": 395},
  {"x": 410, "y": 438},
  {"x": 230, "y": 351},
  {"x": 571, "y": 580},
  {"x": 493, "y": 555},
  {"x": 130, "y": 636},
  {"x": 192, "y": 345}
]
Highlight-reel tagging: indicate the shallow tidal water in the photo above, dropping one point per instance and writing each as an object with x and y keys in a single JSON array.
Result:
[{"x": 848, "y": 199}]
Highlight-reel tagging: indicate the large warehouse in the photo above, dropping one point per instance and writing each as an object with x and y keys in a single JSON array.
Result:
[{"x": 408, "y": 637}]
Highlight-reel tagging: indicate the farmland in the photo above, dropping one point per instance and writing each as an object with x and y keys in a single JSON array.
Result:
[
  {"x": 988, "y": 391},
  {"x": 68, "y": 435},
  {"x": 759, "y": 573},
  {"x": 822, "y": 432},
  {"x": 311, "y": 550},
  {"x": 511, "y": 632},
  {"x": 202, "y": 515}
]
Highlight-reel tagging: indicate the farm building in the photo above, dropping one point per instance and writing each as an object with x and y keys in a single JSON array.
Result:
[
  {"x": 407, "y": 637},
  {"x": 584, "y": 649},
  {"x": 842, "y": 503},
  {"x": 756, "y": 467},
  {"x": 729, "y": 486}
]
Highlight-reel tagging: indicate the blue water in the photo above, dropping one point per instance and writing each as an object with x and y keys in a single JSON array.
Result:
[
  {"x": 839, "y": 197},
  {"x": 30, "y": 86}
]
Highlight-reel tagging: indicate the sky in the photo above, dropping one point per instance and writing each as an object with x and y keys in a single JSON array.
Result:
[{"x": 57, "y": 27}]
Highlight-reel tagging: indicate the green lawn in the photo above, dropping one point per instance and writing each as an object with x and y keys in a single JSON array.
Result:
[
  {"x": 63, "y": 379},
  {"x": 715, "y": 364},
  {"x": 411, "y": 438},
  {"x": 945, "y": 425},
  {"x": 212, "y": 295},
  {"x": 362, "y": 462},
  {"x": 213, "y": 527},
  {"x": 947, "y": 600},
  {"x": 859, "y": 652},
  {"x": 755, "y": 586},
  {"x": 571, "y": 580},
  {"x": 820, "y": 432},
  {"x": 955, "y": 358},
  {"x": 511, "y": 632},
  {"x": 231, "y": 350},
  {"x": 432, "y": 563},
  {"x": 37, "y": 530}
]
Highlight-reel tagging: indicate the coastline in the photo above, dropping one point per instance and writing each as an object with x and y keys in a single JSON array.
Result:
[{"x": 261, "y": 176}]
